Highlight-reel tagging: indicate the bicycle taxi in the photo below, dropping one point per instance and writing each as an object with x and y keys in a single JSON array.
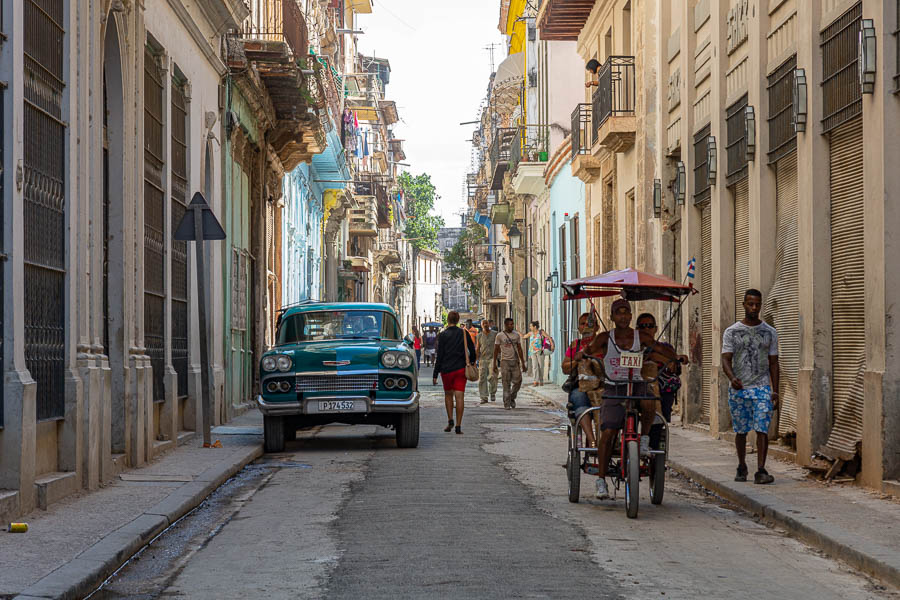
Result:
[{"x": 627, "y": 466}]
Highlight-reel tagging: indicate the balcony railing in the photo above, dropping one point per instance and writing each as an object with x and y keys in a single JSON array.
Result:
[
  {"x": 277, "y": 21},
  {"x": 615, "y": 92},
  {"x": 582, "y": 137},
  {"x": 530, "y": 145},
  {"x": 500, "y": 154}
]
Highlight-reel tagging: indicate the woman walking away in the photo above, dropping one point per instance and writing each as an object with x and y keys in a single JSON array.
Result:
[
  {"x": 417, "y": 346},
  {"x": 455, "y": 350}
]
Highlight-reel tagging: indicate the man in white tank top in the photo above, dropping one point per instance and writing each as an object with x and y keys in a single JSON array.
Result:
[{"x": 611, "y": 345}]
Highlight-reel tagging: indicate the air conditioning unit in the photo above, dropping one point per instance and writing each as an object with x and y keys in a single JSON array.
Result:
[{"x": 532, "y": 33}]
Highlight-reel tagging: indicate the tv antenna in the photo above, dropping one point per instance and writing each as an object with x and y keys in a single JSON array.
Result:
[{"x": 490, "y": 48}]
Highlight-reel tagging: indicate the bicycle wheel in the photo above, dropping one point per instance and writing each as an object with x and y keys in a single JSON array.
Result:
[
  {"x": 657, "y": 478},
  {"x": 573, "y": 470},
  {"x": 632, "y": 479}
]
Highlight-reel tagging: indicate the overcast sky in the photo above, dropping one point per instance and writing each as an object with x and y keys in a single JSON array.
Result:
[{"x": 439, "y": 74}]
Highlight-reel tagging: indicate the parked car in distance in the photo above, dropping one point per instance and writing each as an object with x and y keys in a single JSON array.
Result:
[{"x": 338, "y": 363}]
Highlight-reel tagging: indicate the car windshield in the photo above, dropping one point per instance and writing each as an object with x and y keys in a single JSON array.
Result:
[{"x": 337, "y": 325}]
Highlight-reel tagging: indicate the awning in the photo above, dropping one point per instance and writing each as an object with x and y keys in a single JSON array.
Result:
[
  {"x": 508, "y": 82},
  {"x": 481, "y": 219},
  {"x": 495, "y": 300}
]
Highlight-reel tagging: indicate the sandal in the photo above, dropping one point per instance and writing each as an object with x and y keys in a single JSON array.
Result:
[
  {"x": 449, "y": 426},
  {"x": 459, "y": 430}
]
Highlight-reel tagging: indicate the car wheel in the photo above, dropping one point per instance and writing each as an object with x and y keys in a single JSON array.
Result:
[
  {"x": 273, "y": 434},
  {"x": 408, "y": 430}
]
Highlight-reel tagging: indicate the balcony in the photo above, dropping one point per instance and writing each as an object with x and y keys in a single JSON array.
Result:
[
  {"x": 273, "y": 42},
  {"x": 363, "y": 220},
  {"x": 501, "y": 214},
  {"x": 361, "y": 264},
  {"x": 500, "y": 154},
  {"x": 528, "y": 158},
  {"x": 372, "y": 185},
  {"x": 562, "y": 20},
  {"x": 585, "y": 166},
  {"x": 612, "y": 105},
  {"x": 386, "y": 257}
]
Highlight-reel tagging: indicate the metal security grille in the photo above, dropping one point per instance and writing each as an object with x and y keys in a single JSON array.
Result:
[
  {"x": 782, "y": 135},
  {"x": 238, "y": 290},
  {"x": 735, "y": 123},
  {"x": 154, "y": 223},
  {"x": 741, "y": 245},
  {"x": 847, "y": 289},
  {"x": 701, "y": 166},
  {"x": 841, "y": 91},
  {"x": 705, "y": 310},
  {"x": 576, "y": 257},
  {"x": 179, "y": 160},
  {"x": 782, "y": 308},
  {"x": 897, "y": 47},
  {"x": 44, "y": 203},
  {"x": 337, "y": 383}
]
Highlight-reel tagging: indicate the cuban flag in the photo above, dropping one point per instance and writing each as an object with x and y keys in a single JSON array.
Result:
[{"x": 691, "y": 268}]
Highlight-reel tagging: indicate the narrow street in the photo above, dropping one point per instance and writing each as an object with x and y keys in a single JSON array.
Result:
[{"x": 343, "y": 513}]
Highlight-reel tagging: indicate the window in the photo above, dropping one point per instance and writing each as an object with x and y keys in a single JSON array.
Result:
[
  {"x": 782, "y": 135},
  {"x": 735, "y": 122},
  {"x": 332, "y": 325},
  {"x": 701, "y": 164},
  {"x": 841, "y": 91}
]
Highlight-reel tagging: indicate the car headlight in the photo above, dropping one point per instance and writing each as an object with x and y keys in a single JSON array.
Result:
[
  {"x": 404, "y": 360},
  {"x": 272, "y": 387},
  {"x": 269, "y": 364},
  {"x": 402, "y": 382},
  {"x": 285, "y": 386},
  {"x": 284, "y": 363},
  {"x": 389, "y": 359}
]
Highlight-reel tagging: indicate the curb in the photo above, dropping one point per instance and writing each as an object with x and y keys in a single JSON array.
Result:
[
  {"x": 872, "y": 561},
  {"x": 82, "y": 575},
  {"x": 799, "y": 525}
]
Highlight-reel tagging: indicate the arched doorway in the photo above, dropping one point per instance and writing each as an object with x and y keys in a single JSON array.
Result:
[{"x": 114, "y": 331}]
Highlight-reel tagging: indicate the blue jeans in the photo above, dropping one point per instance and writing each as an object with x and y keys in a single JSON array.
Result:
[
  {"x": 419, "y": 358},
  {"x": 579, "y": 401}
]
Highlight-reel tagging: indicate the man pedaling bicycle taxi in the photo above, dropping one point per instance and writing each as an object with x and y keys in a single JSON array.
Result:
[{"x": 610, "y": 345}]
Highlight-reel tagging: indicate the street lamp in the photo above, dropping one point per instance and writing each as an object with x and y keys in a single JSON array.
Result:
[
  {"x": 548, "y": 284},
  {"x": 515, "y": 237},
  {"x": 555, "y": 276}
]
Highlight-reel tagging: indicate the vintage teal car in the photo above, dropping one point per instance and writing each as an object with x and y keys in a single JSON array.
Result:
[{"x": 338, "y": 363}]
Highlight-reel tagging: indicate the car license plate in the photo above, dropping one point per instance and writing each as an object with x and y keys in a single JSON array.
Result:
[
  {"x": 330, "y": 406},
  {"x": 631, "y": 360}
]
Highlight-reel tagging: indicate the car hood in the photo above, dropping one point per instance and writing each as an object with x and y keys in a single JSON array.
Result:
[{"x": 358, "y": 354}]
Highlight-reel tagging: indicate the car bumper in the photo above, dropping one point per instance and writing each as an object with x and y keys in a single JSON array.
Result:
[{"x": 280, "y": 409}]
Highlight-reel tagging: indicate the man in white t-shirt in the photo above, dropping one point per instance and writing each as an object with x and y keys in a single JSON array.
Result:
[{"x": 750, "y": 361}]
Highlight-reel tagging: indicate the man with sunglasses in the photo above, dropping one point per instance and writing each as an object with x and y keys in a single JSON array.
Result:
[
  {"x": 669, "y": 376},
  {"x": 611, "y": 345}
]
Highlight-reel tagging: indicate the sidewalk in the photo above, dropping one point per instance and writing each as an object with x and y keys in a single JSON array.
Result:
[
  {"x": 76, "y": 544},
  {"x": 859, "y": 527}
]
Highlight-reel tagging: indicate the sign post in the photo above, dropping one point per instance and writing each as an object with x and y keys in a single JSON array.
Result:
[{"x": 199, "y": 224}]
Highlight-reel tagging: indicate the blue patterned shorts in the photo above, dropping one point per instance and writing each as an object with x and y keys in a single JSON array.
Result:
[{"x": 751, "y": 408}]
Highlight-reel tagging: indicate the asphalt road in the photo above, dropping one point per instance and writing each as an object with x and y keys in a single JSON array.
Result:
[{"x": 343, "y": 513}]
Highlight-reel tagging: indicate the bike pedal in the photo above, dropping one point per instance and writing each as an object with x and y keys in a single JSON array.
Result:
[{"x": 591, "y": 470}]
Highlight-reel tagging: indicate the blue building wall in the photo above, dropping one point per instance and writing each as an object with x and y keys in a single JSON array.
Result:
[
  {"x": 301, "y": 237},
  {"x": 566, "y": 196}
]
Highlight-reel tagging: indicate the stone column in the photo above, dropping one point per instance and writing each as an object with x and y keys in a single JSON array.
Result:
[{"x": 814, "y": 226}]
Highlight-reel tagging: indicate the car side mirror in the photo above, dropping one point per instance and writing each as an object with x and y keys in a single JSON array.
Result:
[{"x": 408, "y": 340}]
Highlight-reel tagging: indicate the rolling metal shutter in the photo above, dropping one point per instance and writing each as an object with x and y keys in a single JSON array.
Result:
[
  {"x": 741, "y": 245},
  {"x": 782, "y": 308},
  {"x": 705, "y": 309},
  {"x": 847, "y": 289}
]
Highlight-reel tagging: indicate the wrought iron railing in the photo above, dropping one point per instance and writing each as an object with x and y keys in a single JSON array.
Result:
[
  {"x": 582, "y": 137},
  {"x": 615, "y": 91},
  {"x": 530, "y": 144},
  {"x": 501, "y": 145},
  {"x": 277, "y": 21}
]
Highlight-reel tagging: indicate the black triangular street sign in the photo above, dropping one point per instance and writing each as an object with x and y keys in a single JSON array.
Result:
[{"x": 211, "y": 228}]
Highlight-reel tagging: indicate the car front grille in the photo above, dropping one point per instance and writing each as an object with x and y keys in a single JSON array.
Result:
[{"x": 337, "y": 383}]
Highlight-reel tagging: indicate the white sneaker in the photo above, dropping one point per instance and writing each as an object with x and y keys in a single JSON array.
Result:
[
  {"x": 645, "y": 445},
  {"x": 602, "y": 492}
]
